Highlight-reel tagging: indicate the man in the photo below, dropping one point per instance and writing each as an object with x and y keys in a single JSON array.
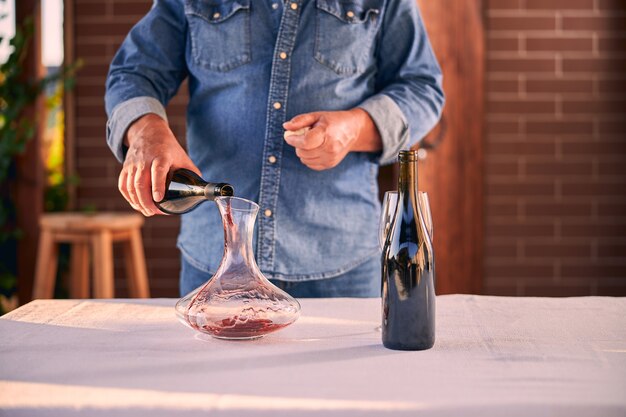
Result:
[{"x": 360, "y": 75}]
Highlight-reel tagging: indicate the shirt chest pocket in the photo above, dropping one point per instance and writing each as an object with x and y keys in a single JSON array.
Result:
[
  {"x": 219, "y": 31},
  {"x": 345, "y": 32}
]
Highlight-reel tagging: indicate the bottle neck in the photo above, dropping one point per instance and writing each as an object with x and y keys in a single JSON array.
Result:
[{"x": 407, "y": 179}]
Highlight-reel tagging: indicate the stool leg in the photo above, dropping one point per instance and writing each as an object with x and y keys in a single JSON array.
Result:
[
  {"x": 102, "y": 245},
  {"x": 136, "y": 266},
  {"x": 79, "y": 270},
  {"x": 46, "y": 269}
]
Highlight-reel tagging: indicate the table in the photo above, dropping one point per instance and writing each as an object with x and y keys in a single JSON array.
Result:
[{"x": 494, "y": 356}]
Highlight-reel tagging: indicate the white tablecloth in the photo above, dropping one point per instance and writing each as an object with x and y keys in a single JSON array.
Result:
[{"x": 494, "y": 356}]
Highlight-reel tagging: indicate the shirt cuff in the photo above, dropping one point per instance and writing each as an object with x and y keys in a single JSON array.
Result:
[
  {"x": 391, "y": 123},
  {"x": 123, "y": 115}
]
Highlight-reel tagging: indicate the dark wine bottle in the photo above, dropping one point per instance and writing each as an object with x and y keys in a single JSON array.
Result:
[
  {"x": 184, "y": 190},
  {"x": 408, "y": 269}
]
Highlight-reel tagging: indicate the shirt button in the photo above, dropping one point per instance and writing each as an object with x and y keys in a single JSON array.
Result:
[
  {"x": 274, "y": 6},
  {"x": 277, "y": 105},
  {"x": 294, "y": 6},
  {"x": 350, "y": 14},
  {"x": 271, "y": 159},
  {"x": 283, "y": 55},
  {"x": 268, "y": 213},
  {"x": 216, "y": 15}
]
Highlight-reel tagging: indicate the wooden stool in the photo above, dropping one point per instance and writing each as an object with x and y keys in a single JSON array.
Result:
[{"x": 98, "y": 231}]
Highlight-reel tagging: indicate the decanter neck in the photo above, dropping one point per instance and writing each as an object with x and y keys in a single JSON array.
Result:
[{"x": 238, "y": 217}]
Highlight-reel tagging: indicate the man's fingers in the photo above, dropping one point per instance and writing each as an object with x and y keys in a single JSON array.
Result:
[
  {"x": 313, "y": 139},
  {"x": 299, "y": 132},
  {"x": 302, "y": 120},
  {"x": 143, "y": 191},
  {"x": 316, "y": 153},
  {"x": 130, "y": 188},
  {"x": 158, "y": 172}
]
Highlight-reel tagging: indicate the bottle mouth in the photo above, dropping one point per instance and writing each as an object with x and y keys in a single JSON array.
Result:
[
  {"x": 407, "y": 155},
  {"x": 237, "y": 203}
]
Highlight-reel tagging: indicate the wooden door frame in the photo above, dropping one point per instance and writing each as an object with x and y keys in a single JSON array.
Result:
[
  {"x": 454, "y": 169},
  {"x": 29, "y": 178}
]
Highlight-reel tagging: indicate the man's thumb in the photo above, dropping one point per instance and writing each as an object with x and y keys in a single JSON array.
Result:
[{"x": 300, "y": 121}]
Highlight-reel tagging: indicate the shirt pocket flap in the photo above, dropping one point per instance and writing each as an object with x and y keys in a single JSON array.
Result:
[
  {"x": 357, "y": 11},
  {"x": 215, "y": 11}
]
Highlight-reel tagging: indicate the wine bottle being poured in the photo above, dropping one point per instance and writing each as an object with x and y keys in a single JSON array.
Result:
[{"x": 184, "y": 190}]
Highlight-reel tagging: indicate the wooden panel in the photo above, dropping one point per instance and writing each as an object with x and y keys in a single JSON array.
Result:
[
  {"x": 452, "y": 172},
  {"x": 29, "y": 169}
]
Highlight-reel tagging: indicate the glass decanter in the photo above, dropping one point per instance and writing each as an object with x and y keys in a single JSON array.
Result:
[{"x": 238, "y": 302}]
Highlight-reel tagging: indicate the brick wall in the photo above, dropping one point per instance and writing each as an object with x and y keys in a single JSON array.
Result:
[
  {"x": 100, "y": 26},
  {"x": 555, "y": 144},
  {"x": 555, "y": 147}
]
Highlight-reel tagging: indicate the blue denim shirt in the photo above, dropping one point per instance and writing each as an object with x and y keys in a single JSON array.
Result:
[{"x": 252, "y": 65}]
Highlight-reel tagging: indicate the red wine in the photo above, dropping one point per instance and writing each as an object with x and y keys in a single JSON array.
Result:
[
  {"x": 408, "y": 270},
  {"x": 184, "y": 190}
]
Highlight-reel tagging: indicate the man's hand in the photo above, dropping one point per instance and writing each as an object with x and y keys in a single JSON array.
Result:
[
  {"x": 152, "y": 152},
  {"x": 331, "y": 136}
]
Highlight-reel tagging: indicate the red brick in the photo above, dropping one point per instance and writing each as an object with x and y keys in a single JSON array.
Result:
[
  {"x": 517, "y": 65},
  {"x": 612, "y": 43},
  {"x": 500, "y": 127},
  {"x": 560, "y": 4},
  {"x": 587, "y": 148},
  {"x": 497, "y": 106},
  {"x": 502, "y": 43},
  {"x": 503, "y": 4},
  {"x": 90, "y": 9},
  {"x": 135, "y": 8},
  {"x": 559, "y": 128},
  {"x": 614, "y": 208},
  {"x": 612, "y": 168},
  {"x": 519, "y": 271},
  {"x": 499, "y": 169},
  {"x": 613, "y": 127},
  {"x": 100, "y": 29},
  {"x": 594, "y": 23},
  {"x": 557, "y": 290},
  {"x": 554, "y": 85},
  {"x": 520, "y": 230},
  {"x": 501, "y": 209},
  {"x": 521, "y": 189},
  {"x": 557, "y": 250},
  {"x": 587, "y": 270},
  {"x": 536, "y": 208},
  {"x": 613, "y": 5},
  {"x": 503, "y": 86},
  {"x": 592, "y": 189},
  {"x": 554, "y": 44},
  {"x": 501, "y": 250},
  {"x": 596, "y": 106},
  {"x": 526, "y": 23},
  {"x": 520, "y": 148},
  {"x": 612, "y": 250},
  {"x": 612, "y": 86},
  {"x": 593, "y": 230},
  {"x": 559, "y": 169},
  {"x": 609, "y": 65}
]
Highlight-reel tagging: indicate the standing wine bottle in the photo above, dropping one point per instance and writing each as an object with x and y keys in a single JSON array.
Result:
[
  {"x": 184, "y": 190},
  {"x": 408, "y": 271}
]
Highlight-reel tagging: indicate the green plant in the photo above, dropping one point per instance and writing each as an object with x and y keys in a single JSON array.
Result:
[{"x": 17, "y": 94}]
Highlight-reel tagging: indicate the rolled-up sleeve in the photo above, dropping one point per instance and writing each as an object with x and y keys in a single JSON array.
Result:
[
  {"x": 409, "y": 98},
  {"x": 144, "y": 75},
  {"x": 123, "y": 115}
]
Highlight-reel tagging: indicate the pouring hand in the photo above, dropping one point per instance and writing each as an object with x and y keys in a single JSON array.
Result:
[
  {"x": 331, "y": 136},
  {"x": 152, "y": 152}
]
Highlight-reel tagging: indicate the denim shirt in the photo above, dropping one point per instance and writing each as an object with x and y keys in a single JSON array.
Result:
[{"x": 252, "y": 65}]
